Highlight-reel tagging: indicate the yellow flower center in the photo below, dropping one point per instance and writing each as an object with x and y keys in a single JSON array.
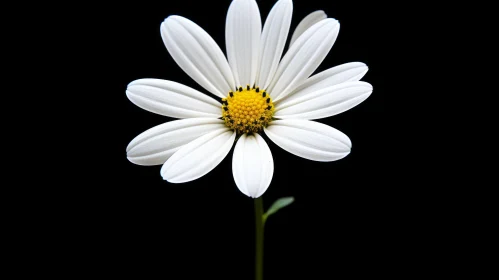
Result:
[{"x": 247, "y": 110}]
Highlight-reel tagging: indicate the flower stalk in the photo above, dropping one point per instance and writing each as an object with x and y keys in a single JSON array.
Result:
[{"x": 260, "y": 223}]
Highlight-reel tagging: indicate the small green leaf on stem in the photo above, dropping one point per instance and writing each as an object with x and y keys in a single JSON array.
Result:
[{"x": 278, "y": 204}]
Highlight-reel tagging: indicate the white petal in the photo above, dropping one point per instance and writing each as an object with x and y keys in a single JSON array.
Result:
[
  {"x": 306, "y": 23},
  {"x": 325, "y": 102},
  {"x": 172, "y": 99},
  {"x": 310, "y": 140},
  {"x": 304, "y": 57},
  {"x": 274, "y": 35},
  {"x": 198, "y": 157},
  {"x": 347, "y": 72},
  {"x": 197, "y": 54},
  {"x": 242, "y": 37},
  {"x": 156, "y": 145},
  {"x": 252, "y": 165}
]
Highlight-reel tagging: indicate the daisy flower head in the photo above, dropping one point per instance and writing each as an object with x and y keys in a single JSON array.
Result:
[{"x": 258, "y": 92}]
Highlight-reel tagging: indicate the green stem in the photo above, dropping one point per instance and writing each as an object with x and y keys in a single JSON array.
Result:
[{"x": 259, "y": 238}]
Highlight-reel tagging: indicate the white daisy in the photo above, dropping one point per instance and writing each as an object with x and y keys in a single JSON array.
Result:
[{"x": 259, "y": 93}]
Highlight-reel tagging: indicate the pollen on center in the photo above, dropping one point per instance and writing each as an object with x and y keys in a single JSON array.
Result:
[{"x": 247, "y": 110}]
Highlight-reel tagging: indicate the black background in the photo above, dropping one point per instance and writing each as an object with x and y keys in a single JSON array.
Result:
[{"x": 349, "y": 217}]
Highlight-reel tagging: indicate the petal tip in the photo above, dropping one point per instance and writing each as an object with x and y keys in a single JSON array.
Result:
[
  {"x": 357, "y": 64},
  {"x": 130, "y": 159},
  {"x": 171, "y": 17},
  {"x": 330, "y": 21},
  {"x": 368, "y": 85},
  {"x": 129, "y": 147},
  {"x": 129, "y": 94},
  {"x": 136, "y": 162},
  {"x": 165, "y": 176},
  {"x": 132, "y": 83},
  {"x": 259, "y": 194}
]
